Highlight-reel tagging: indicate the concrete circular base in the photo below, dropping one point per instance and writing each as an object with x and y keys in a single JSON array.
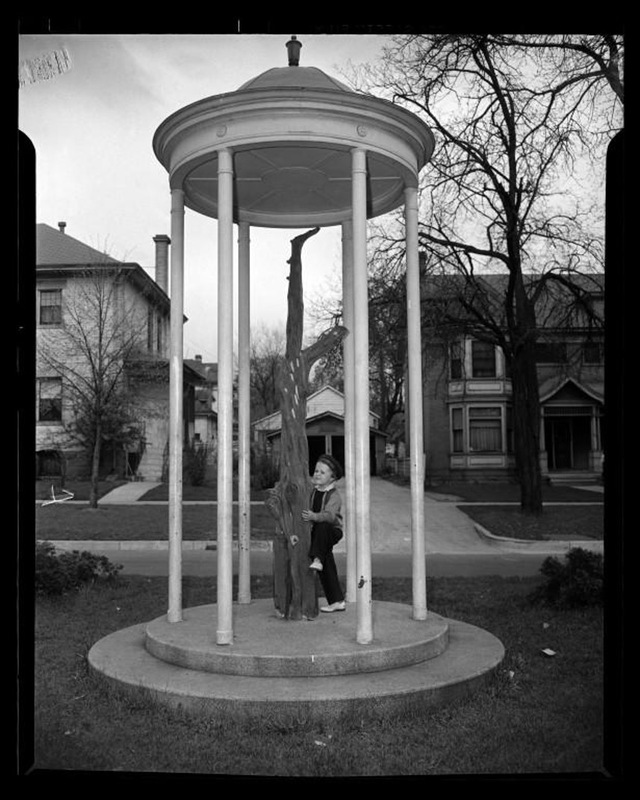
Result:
[
  {"x": 265, "y": 645},
  {"x": 455, "y": 658}
]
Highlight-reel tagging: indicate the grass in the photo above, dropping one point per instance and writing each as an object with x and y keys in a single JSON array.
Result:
[
  {"x": 146, "y": 522},
  {"x": 137, "y": 523},
  {"x": 567, "y": 523},
  {"x": 208, "y": 492},
  {"x": 538, "y": 714}
]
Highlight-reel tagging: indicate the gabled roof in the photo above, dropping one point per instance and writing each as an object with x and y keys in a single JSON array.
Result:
[
  {"x": 60, "y": 254},
  {"x": 55, "y": 247},
  {"x": 555, "y": 294},
  {"x": 208, "y": 370},
  {"x": 314, "y": 401},
  {"x": 554, "y": 385}
]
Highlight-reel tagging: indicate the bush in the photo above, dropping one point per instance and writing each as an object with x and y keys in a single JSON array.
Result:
[
  {"x": 195, "y": 464},
  {"x": 577, "y": 582},
  {"x": 264, "y": 474},
  {"x": 58, "y": 573}
]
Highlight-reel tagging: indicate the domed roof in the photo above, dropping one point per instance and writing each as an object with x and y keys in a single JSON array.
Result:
[
  {"x": 294, "y": 77},
  {"x": 292, "y": 132}
]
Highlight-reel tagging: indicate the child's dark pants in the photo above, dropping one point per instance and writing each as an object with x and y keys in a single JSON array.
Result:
[{"x": 323, "y": 537}]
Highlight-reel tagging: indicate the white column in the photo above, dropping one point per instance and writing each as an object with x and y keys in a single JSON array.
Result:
[
  {"x": 364, "y": 609},
  {"x": 349, "y": 407},
  {"x": 244, "y": 417},
  {"x": 225, "y": 398},
  {"x": 416, "y": 437},
  {"x": 176, "y": 406}
]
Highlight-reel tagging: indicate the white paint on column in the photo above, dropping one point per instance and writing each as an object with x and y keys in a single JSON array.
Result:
[
  {"x": 244, "y": 416},
  {"x": 225, "y": 398},
  {"x": 349, "y": 389},
  {"x": 174, "y": 613},
  {"x": 416, "y": 437},
  {"x": 364, "y": 610}
]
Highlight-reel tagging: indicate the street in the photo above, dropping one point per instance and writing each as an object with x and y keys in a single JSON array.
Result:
[{"x": 203, "y": 563}]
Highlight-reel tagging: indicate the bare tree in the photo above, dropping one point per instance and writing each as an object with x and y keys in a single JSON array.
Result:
[
  {"x": 90, "y": 352},
  {"x": 267, "y": 351},
  {"x": 505, "y": 188},
  {"x": 387, "y": 339}
]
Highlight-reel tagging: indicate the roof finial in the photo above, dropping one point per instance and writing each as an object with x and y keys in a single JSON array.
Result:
[{"x": 293, "y": 49}]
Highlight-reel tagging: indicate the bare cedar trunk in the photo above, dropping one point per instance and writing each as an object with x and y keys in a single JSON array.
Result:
[{"x": 294, "y": 583}]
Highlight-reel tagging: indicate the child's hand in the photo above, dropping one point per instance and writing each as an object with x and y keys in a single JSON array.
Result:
[{"x": 308, "y": 516}]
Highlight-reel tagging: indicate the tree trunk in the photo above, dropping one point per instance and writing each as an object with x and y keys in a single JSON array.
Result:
[
  {"x": 294, "y": 583},
  {"x": 95, "y": 467},
  {"x": 526, "y": 429}
]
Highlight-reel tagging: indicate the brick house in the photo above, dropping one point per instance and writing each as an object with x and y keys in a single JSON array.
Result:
[
  {"x": 467, "y": 395},
  {"x": 70, "y": 276}
]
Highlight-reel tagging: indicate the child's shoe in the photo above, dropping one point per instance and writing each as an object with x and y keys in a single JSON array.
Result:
[
  {"x": 316, "y": 564},
  {"x": 339, "y": 606}
]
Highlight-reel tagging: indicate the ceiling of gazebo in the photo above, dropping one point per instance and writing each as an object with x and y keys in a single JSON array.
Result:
[
  {"x": 276, "y": 184},
  {"x": 292, "y": 132}
]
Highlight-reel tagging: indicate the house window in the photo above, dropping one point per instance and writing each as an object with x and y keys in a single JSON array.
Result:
[
  {"x": 49, "y": 401},
  {"x": 485, "y": 430},
  {"x": 483, "y": 360},
  {"x": 150, "y": 330},
  {"x": 455, "y": 361},
  {"x": 457, "y": 430},
  {"x": 510, "y": 436},
  {"x": 592, "y": 353},
  {"x": 551, "y": 352},
  {"x": 50, "y": 306},
  {"x": 159, "y": 342}
]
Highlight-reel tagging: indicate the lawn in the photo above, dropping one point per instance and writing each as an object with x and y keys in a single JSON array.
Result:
[
  {"x": 149, "y": 522},
  {"x": 560, "y": 523},
  {"x": 539, "y": 714},
  {"x": 138, "y": 522}
]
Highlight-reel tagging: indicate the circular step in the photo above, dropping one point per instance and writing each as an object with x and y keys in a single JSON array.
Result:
[
  {"x": 471, "y": 656},
  {"x": 265, "y": 645}
]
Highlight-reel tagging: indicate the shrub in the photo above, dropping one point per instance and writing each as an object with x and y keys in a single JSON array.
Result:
[
  {"x": 195, "y": 464},
  {"x": 265, "y": 473},
  {"x": 58, "y": 573},
  {"x": 579, "y": 581}
]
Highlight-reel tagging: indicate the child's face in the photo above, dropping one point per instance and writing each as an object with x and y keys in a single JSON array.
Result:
[{"x": 322, "y": 475}]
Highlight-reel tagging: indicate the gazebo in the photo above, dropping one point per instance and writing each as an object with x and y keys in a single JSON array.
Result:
[{"x": 295, "y": 148}]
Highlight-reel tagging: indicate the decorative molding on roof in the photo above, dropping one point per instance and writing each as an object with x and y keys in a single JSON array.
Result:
[{"x": 552, "y": 386}]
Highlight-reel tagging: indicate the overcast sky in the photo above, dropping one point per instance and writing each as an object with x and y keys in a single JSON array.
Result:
[{"x": 92, "y": 126}]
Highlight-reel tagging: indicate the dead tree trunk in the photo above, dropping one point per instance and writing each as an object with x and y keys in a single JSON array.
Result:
[{"x": 294, "y": 582}]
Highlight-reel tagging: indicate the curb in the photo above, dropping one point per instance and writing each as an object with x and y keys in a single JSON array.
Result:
[
  {"x": 532, "y": 544},
  {"x": 69, "y": 544}
]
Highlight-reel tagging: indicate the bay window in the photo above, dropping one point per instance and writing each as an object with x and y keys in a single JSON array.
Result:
[{"x": 485, "y": 429}]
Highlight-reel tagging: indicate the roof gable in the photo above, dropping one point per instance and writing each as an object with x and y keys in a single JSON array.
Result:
[
  {"x": 54, "y": 247},
  {"x": 569, "y": 390}
]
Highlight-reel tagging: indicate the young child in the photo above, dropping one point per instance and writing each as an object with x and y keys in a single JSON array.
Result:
[{"x": 326, "y": 515}]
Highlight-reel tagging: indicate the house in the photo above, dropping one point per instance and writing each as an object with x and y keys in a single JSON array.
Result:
[
  {"x": 83, "y": 294},
  {"x": 325, "y": 430},
  {"x": 468, "y": 424},
  {"x": 205, "y": 428}
]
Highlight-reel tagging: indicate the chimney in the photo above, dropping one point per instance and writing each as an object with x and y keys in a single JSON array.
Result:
[
  {"x": 62, "y": 226},
  {"x": 199, "y": 358},
  {"x": 162, "y": 261}
]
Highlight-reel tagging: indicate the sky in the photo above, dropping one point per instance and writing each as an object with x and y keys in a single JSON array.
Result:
[{"x": 92, "y": 125}]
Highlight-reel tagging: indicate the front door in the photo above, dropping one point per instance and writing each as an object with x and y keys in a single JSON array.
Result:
[{"x": 567, "y": 441}]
